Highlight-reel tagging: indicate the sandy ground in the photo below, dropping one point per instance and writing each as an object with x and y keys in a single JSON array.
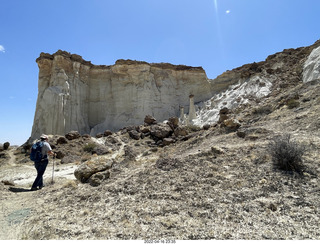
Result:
[{"x": 17, "y": 203}]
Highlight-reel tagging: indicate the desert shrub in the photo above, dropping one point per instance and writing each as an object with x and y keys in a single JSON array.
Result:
[
  {"x": 293, "y": 103},
  {"x": 193, "y": 128},
  {"x": 89, "y": 147},
  {"x": 267, "y": 109},
  {"x": 286, "y": 154}
]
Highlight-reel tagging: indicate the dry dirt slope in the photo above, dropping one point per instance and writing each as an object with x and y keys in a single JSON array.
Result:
[{"x": 215, "y": 185}]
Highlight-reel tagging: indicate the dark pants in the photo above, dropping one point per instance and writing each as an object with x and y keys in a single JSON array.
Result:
[{"x": 41, "y": 168}]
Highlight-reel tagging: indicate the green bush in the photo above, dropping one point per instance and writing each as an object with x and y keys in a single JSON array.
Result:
[{"x": 286, "y": 154}]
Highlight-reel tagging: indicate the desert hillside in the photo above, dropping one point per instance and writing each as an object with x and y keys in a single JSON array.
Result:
[{"x": 214, "y": 179}]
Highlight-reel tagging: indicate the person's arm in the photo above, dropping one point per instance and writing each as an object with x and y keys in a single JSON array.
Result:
[{"x": 50, "y": 152}]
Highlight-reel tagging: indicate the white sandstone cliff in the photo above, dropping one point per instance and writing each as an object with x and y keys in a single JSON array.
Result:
[{"x": 74, "y": 94}]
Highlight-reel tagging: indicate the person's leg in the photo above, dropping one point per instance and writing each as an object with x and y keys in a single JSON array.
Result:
[{"x": 41, "y": 168}]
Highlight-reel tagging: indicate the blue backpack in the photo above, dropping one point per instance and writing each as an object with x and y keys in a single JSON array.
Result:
[{"x": 36, "y": 152}]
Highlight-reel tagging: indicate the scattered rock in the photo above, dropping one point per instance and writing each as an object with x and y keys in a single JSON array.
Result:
[
  {"x": 6, "y": 145},
  {"x": 150, "y": 120},
  {"x": 180, "y": 131},
  {"x": 223, "y": 115},
  {"x": 72, "y": 135},
  {"x": 160, "y": 131},
  {"x": 99, "y": 135},
  {"x": 231, "y": 124},
  {"x": 173, "y": 122},
  {"x": 107, "y": 133},
  {"x": 60, "y": 155},
  {"x": 272, "y": 207},
  {"x": 206, "y": 127},
  {"x": 263, "y": 182},
  {"x": 111, "y": 140},
  {"x": 93, "y": 166},
  {"x": 168, "y": 141},
  {"x": 3, "y": 155},
  {"x": 98, "y": 178},
  {"x": 100, "y": 150},
  {"x": 134, "y": 134},
  {"x": 241, "y": 133},
  {"x": 62, "y": 140},
  {"x": 129, "y": 153},
  {"x": 145, "y": 130},
  {"x": 216, "y": 150}
]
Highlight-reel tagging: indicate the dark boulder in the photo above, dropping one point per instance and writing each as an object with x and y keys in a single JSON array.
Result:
[
  {"x": 150, "y": 120},
  {"x": 62, "y": 140},
  {"x": 6, "y": 145},
  {"x": 107, "y": 133},
  {"x": 161, "y": 131},
  {"x": 134, "y": 134},
  {"x": 73, "y": 135}
]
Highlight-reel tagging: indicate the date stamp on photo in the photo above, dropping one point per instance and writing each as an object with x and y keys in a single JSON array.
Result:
[{"x": 160, "y": 241}]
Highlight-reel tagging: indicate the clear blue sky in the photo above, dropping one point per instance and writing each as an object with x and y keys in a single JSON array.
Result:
[{"x": 218, "y": 35}]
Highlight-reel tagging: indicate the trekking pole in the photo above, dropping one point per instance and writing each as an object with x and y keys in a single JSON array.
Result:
[{"x": 54, "y": 156}]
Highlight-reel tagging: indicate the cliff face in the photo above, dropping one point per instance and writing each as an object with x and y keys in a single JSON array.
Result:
[{"x": 74, "y": 94}]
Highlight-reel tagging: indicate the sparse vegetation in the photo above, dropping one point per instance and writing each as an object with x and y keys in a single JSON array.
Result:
[
  {"x": 287, "y": 154},
  {"x": 267, "y": 109},
  {"x": 89, "y": 147},
  {"x": 293, "y": 103},
  {"x": 193, "y": 128}
]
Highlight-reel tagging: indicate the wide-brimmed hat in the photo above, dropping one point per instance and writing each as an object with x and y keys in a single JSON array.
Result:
[{"x": 43, "y": 136}]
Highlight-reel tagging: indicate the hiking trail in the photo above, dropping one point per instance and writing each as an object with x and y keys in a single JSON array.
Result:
[{"x": 18, "y": 202}]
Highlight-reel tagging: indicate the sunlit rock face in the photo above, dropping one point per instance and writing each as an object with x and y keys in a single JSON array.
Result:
[
  {"x": 311, "y": 69},
  {"x": 74, "y": 94}
]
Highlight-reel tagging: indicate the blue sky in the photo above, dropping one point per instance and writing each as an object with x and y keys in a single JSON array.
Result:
[{"x": 218, "y": 35}]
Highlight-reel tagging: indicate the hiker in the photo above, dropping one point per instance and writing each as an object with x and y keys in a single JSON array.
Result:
[{"x": 42, "y": 164}]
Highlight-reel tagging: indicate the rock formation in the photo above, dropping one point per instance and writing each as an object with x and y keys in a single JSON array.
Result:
[
  {"x": 192, "y": 109},
  {"x": 251, "y": 82},
  {"x": 74, "y": 94},
  {"x": 311, "y": 69}
]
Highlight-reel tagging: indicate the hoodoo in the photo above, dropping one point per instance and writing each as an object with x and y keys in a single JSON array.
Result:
[{"x": 74, "y": 94}]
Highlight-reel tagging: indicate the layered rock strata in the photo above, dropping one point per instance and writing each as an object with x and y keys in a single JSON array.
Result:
[{"x": 74, "y": 94}]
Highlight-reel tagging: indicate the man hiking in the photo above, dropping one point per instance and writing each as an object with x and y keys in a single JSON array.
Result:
[{"x": 42, "y": 163}]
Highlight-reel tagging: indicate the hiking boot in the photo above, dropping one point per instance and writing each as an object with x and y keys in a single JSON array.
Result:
[{"x": 33, "y": 189}]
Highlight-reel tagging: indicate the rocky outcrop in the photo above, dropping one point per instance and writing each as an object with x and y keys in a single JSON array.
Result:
[
  {"x": 75, "y": 95},
  {"x": 311, "y": 69},
  {"x": 251, "y": 82}
]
